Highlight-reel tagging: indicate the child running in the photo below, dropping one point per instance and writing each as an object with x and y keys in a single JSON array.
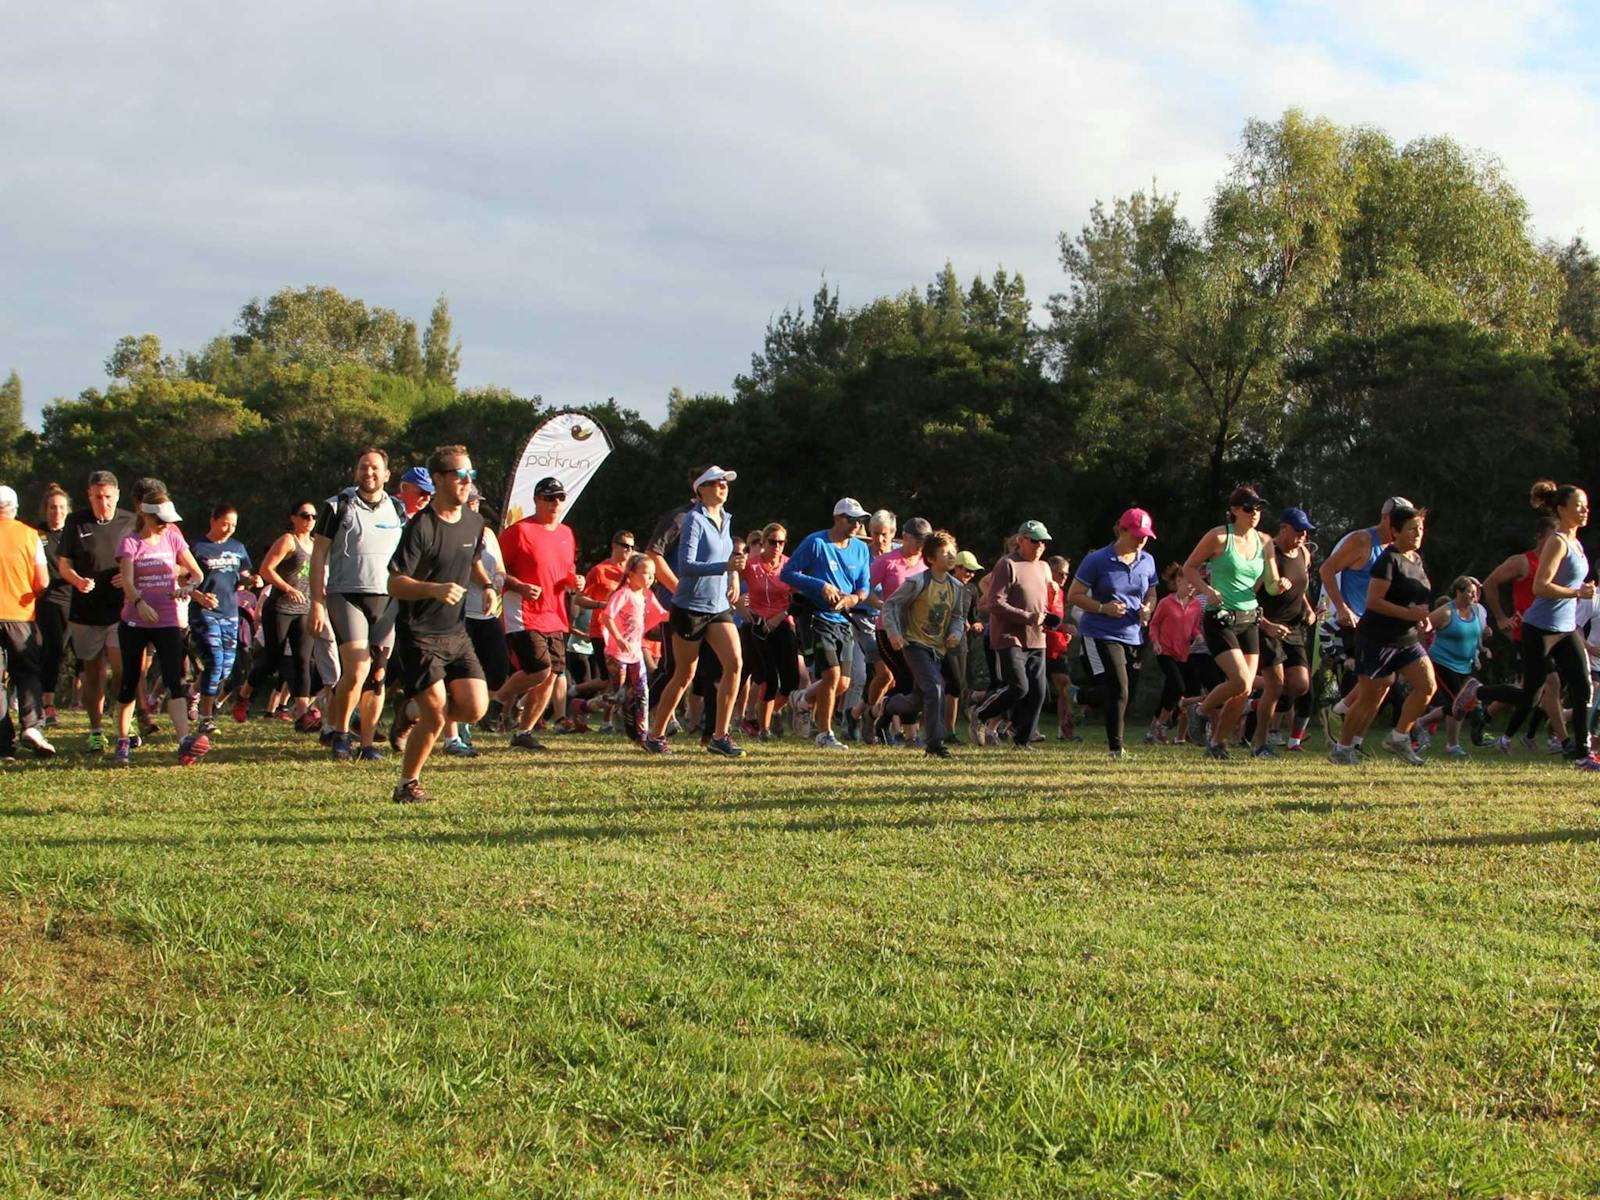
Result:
[{"x": 631, "y": 612}]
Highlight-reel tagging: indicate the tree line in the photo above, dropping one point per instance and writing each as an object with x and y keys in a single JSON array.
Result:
[{"x": 1348, "y": 318}]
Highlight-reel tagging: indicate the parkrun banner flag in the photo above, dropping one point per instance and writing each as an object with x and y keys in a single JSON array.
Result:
[{"x": 569, "y": 446}]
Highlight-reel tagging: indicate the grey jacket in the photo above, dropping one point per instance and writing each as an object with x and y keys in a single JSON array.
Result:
[{"x": 898, "y": 607}]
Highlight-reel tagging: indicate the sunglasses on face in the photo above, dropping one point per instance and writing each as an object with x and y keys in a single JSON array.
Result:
[
  {"x": 463, "y": 474},
  {"x": 306, "y": 516},
  {"x": 624, "y": 545},
  {"x": 1249, "y": 506},
  {"x": 777, "y": 541},
  {"x": 558, "y": 496}
]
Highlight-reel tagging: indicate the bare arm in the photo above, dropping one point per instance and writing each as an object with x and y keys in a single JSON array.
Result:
[
  {"x": 1350, "y": 553},
  {"x": 1205, "y": 550},
  {"x": 1509, "y": 571}
]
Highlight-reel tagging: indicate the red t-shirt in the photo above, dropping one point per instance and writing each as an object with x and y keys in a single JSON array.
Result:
[
  {"x": 602, "y": 579},
  {"x": 548, "y": 557}
]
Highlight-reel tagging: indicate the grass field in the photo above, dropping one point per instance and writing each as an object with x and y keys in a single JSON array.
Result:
[{"x": 807, "y": 975}]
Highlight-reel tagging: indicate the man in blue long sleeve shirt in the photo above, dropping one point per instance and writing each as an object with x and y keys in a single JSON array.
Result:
[{"x": 829, "y": 568}]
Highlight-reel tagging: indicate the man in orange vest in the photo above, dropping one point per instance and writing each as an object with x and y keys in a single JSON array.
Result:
[{"x": 23, "y": 578}]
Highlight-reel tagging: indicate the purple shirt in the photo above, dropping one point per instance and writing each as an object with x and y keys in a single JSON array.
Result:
[
  {"x": 155, "y": 576},
  {"x": 889, "y": 571}
]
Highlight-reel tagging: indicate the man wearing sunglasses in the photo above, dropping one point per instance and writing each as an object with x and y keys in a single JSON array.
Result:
[
  {"x": 355, "y": 536},
  {"x": 436, "y": 561},
  {"x": 539, "y": 555}
]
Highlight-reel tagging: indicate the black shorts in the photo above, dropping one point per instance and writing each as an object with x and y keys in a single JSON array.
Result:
[
  {"x": 533, "y": 652},
  {"x": 692, "y": 626},
  {"x": 427, "y": 659},
  {"x": 1243, "y": 635},
  {"x": 1375, "y": 660},
  {"x": 1449, "y": 683},
  {"x": 903, "y": 680},
  {"x": 1058, "y": 666},
  {"x": 832, "y": 645},
  {"x": 1287, "y": 652}
]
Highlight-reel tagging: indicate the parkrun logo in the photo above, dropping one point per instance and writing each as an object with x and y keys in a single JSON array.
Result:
[{"x": 546, "y": 459}]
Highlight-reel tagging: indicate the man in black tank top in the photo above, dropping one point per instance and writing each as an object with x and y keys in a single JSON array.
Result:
[{"x": 1286, "y": 619}]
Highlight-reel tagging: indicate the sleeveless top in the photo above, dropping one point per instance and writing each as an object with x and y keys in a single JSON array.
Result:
[
  {"x": 1456, "y": 644},
  {"x": 1561, "y": 616},
  {"x": 295, "y": 569},
  {"x": 1236, "y": 576},
  {"x": 1288, "y": 608},
  {"x": 1353, "y": 581},
  {"x": 1522, "y": 589}
]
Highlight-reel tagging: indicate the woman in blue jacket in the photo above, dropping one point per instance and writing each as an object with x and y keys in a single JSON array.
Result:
[{"x": 702, "y": 611}]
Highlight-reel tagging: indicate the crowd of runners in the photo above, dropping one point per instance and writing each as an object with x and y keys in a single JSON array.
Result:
[{"x": 866, "y": 630}]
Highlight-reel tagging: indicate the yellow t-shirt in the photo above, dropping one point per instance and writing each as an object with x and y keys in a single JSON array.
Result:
[
  {"x": 20, "y": 551},
  {"x": 930, "y": 614}
]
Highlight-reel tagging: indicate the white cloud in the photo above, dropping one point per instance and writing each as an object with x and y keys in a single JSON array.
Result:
[{"x": 617, "y": 197}]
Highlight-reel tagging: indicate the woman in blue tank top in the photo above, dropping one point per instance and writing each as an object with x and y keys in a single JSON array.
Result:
[
  {"x": 1458, "y": 631},
  {"x": 1550, "y": 638}
]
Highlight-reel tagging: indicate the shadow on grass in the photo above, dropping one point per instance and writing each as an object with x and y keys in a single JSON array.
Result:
[{"x": 1538, "y": 837}]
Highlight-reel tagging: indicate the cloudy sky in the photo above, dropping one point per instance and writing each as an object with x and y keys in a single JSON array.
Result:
[{"x": 617, "y": 198}]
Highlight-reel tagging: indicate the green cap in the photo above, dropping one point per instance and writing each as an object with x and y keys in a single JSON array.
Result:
[
  {"x": 969, "y": 560},
  {"x": 1034, "y": 530}
]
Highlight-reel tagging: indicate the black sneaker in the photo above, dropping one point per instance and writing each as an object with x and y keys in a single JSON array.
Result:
[
  {"x": 935, "y": 752},
  {"x": 724, "y": 746},
  {"x": 523, "y": 739},
  {"x": 409, "y": 791},
  {"x": 1218, "y": 751},
  {"x": 656, "y": 745}
]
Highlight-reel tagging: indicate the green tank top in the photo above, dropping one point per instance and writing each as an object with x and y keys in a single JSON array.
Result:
[{"x": 1236, "y": 576}]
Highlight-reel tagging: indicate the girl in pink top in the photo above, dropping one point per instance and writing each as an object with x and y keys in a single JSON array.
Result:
[
  {"x": 773, "y": 658},
  {"x": 630, "y": 613},
  {"x": 157, "y": 574},
  {"x": 1173, "y": 628}
]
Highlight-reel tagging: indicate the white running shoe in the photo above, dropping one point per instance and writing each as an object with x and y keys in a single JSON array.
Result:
[{"x": 1399, "y": 745}]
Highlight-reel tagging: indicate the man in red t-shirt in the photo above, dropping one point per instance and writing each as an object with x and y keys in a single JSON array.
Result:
[
  {"x": 600, "y": 581},
  {"x": 539, "y": 556}
]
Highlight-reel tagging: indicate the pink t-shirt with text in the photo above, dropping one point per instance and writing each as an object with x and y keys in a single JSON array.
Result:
[{"x": 155, "y": 575}]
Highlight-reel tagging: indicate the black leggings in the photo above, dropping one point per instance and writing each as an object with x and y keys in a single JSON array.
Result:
[
  {"x": 1566, "y": 656},
  {"x": 167, "y": 642},
  {"x": 1177, "y": 681},
  {"x": 52, "y": 621},
  {"x": 774, "y": 659},
  {"x": 286, "y": 650},
  {"x": 1116, "y": 669}
]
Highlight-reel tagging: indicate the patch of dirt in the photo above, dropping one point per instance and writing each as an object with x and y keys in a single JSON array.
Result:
[{"x": 68, "y": 959}]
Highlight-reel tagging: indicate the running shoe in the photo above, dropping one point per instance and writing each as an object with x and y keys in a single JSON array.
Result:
[
  {"x": 369, "y": 754},
  {"x": 978, "y": 730},
  {"x": 310, "y": 721},
  {"x": 123, "y": 756},
  {"x": 880, "y": 729},
  {"x": 1399, "y": 745},
  {"x": 148, "y": 727},
  {"x": 724, "y": 746},
  {"x": 34, "y": 739},
  {"x": 135, "y": 740},
  {"x": 1264, "y": 751},
  {"x": 1119, "y": 756},
  {"x": 656, "y": 745},
  {"x": 763, "y": 736},
  {"x": 339, "y": 747},
  {"x": 1343, "y": 756},
  {"x": 524, "y": 739},
  {"x": 1554, "y": 745},
  {"x": 826, "y": 741},
  {"x": 241, "y": 710},
  {"x": 1480, "y": 726},
  {"x": 750, "y": 728},
  {"x": 1466, "y": 700},
  {"x": 409, "y": 791},
  {"x": 673, "y": 726},
  {"x": 1528, "y": 743},
  {"x": 1295, "y": 747},
  {"x": 1503, "y": 744},
  {"x": 456, "y": 748},
  {"x": 193, "y": 748},
  {"x": 50, "y": 718},
  {"x": 1456, "y": 752},
  {"x": 1587, "y": 763},
  {"x": 1217, "y": 751},
  {"x": 935, "y": 752},
  {"x": 207, "y": 726},
  {"x": 1421, "y": 739}
]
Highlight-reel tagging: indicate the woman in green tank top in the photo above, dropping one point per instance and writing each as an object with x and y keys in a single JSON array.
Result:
[{"x": 1241, "y": 560}]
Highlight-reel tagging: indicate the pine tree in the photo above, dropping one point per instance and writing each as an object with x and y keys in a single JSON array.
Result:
[{"x": 440, "y": 360}]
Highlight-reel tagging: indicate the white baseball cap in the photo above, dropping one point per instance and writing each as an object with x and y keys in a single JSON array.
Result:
[
  {"x": 163, "y": 511},
  {"x": 712, "y": 475},
  {"x": 8, "y": 496},
  {"x": 850, "y": 507}
]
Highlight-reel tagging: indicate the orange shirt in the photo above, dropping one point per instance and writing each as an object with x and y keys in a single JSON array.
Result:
[{"x": 21, "y": 553}]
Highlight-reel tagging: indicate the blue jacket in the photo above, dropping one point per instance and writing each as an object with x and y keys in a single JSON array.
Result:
[{"x": 703, "y": 554}]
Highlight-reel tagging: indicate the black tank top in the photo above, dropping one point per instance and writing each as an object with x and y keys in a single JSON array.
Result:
[
  {"x": 1287, "y": 608},
  {"x": 295, "y": 569}
]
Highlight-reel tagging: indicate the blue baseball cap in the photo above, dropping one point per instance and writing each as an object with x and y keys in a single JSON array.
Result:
[
  {"x": 1297, "y": 518},
  {"x": 418, "y": 477}
]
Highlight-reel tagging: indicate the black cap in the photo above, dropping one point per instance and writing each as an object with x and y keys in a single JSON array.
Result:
[{"x": 550, "y": 486}]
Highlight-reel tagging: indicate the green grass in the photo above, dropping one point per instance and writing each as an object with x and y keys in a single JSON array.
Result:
[{"x": 806, "y": 975}]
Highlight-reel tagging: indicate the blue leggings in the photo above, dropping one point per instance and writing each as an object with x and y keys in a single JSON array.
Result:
[{"x": 216, "y": 643}]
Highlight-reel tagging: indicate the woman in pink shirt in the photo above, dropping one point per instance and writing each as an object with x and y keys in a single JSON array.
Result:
[
  {"x": 1173, "y": 627},
  {"x": 157, "y": 574},
  {"x": 775, "y": 654}
]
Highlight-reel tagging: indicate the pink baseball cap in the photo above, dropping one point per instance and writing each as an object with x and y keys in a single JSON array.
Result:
[{"x": 1137, "y": 522}]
